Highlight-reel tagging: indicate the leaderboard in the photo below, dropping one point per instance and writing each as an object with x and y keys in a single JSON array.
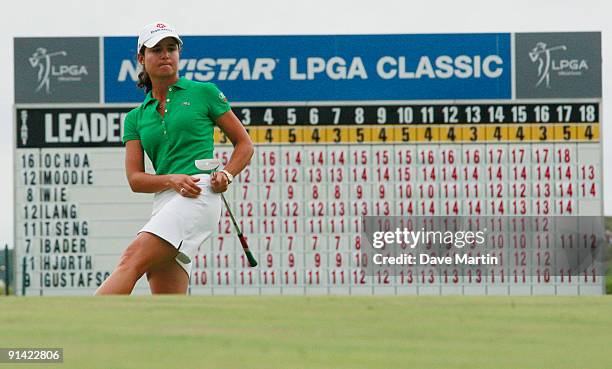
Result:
[{"x": 318, "y": 170}]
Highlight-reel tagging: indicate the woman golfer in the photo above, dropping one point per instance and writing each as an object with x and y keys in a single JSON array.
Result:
[{"x": 174, "y": 126}]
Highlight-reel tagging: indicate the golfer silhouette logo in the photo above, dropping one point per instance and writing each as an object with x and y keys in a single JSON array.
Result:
[
  {"x": 41, "y": 60},
  {"x": 541, "y": 54}
]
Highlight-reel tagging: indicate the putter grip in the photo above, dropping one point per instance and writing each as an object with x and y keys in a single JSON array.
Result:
[{"x": 245, "y": 246}]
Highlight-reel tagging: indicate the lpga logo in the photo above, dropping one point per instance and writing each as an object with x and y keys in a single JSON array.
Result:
[
  {"x": 542, "y": 54},
  {"x": 41, "y": 59}
]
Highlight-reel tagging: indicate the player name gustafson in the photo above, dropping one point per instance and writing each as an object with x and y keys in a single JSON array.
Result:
[{"x": 426, "y": 259}]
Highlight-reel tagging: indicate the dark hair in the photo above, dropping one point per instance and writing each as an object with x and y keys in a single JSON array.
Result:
[{"x": 144, "y": 81}]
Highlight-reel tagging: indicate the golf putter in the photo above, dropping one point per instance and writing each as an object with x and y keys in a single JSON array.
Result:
[{"x": 213, "y": 165}]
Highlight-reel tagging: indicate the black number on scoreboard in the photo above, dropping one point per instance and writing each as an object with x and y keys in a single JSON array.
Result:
[
  {"x": 405, "y": 134},
  {"x": 360, "y": 135},
  {"x": 567, "y": 133},
  {"x": 337, "y": 135},
  {"x": 497, "y": 133},
  {"x": 315, "y": 135},
  {"x": 382, "y": 135},
  {"x": 474, "y": 135}
]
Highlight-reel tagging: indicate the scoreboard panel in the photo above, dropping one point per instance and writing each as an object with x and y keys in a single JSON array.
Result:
[
  {"x": 318, "y": 169},
  {"x": 346, "y": 128}
]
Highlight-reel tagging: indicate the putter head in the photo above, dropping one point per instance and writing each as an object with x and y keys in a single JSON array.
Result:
[{"x": 207, "y": 164}]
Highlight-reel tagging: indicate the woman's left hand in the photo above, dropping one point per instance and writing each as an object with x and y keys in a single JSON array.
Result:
[{"x": 218, "y": 182}]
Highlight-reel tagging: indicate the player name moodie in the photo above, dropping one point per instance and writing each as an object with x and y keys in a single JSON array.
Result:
[{"x": 427, "y": 259}]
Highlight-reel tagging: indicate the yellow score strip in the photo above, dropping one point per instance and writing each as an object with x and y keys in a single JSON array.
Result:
[{"x": 393, "y": 134}]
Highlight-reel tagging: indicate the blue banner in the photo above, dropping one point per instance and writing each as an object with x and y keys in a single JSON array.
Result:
[{"x": 324, "y": 68}]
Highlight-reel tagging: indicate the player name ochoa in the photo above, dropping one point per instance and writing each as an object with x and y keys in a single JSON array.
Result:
[
  {"x": 426, "y": 259},
  {"x": 65, "y": 160}
]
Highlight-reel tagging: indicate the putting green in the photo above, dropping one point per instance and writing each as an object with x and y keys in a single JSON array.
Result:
[{"x": 313, "y": 332}]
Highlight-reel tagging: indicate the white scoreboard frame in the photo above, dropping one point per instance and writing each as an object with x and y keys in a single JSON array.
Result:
[{"x": 142, "y": 287}]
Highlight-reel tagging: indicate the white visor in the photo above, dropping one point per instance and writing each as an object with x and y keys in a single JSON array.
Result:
[{"x": 155, "y": 32}]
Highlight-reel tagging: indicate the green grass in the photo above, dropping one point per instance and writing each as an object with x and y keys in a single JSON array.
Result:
[
  {"x": 313, "y": 332},
  {"x": 609, "y": 272}
]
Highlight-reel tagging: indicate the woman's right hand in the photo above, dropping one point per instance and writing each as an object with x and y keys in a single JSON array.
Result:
[{"x": 185, "y": 185}]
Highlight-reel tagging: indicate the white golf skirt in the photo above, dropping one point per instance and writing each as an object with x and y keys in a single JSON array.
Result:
[{"x": 186, "y": 223}]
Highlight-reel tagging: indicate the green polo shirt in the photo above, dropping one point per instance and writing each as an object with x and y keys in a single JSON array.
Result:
[{"x": 184, "y": 133}]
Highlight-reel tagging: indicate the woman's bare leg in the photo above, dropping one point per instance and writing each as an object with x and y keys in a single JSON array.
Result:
[
  {"x": 168, "y": 277},
  {"x": 146, "y": 251}
]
